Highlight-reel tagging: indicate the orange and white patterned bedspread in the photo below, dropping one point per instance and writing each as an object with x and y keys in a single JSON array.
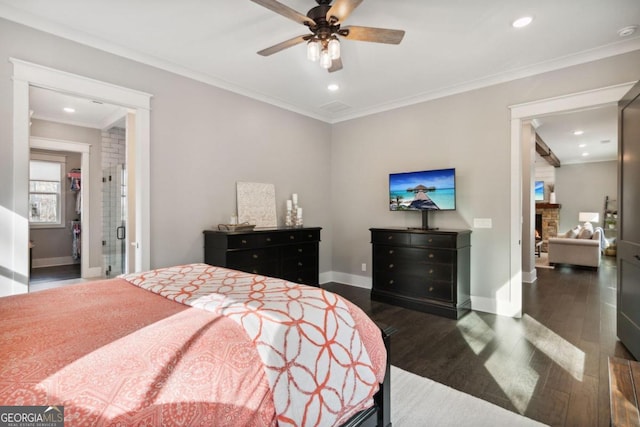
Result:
[
  {"x": 317, "y": 366},
  {"x": 115, "y": 354}
]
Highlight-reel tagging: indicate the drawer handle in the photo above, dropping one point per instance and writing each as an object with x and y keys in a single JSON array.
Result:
[
  {"x": 430, "y": 240},
  {"x": 292, "y": 237},
  {"x": 431, "y": 255},
  {"x": 255, "y": 256},
  {"x": 390, "y": 238},
  {"x": 431, "y": 271},
  {"x": 430, "y": 288},
  {"x": 391, "y": 282},
  {"x": 300, "y": 264},
  {"x": 390, "y": 251},
  {"x": 268, "y": 239},
  {"x": 300, "y": 250},
  {"x": 391, "y": 266},
  {"x": 254, "y": 271},
  {"x": 244, "y": 242},
  {"x": 309, "y": 236}
]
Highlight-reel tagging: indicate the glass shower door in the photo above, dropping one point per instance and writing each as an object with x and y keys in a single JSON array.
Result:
[{"x": 114, "y": 228}]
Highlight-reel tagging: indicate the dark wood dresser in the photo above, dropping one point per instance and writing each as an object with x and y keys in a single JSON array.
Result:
[
  {"x": 425, "y": 270},
  {"x": 287, "y": 253}
]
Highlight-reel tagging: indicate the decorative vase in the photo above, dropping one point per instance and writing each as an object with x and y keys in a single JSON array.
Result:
[{"x": 552, "y": 198}]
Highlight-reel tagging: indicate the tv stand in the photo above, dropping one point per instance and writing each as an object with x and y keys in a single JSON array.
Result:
[{"x": 425, "y": 222}]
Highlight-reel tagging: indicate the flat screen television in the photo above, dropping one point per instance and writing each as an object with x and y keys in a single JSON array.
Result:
[
  {"x": 539, "y": 191},
  {"x": 423, "y": 191}
]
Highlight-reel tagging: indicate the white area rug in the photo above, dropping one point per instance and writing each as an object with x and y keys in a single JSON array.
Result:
[
  {"x": 542, "y": 261},
  {"x": 418, "y": 401}
]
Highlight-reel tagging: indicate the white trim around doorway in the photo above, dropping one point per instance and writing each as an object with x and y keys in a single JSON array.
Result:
[
  {"x": 26, "y": 74},
  {"x": 571, "y": 102}
]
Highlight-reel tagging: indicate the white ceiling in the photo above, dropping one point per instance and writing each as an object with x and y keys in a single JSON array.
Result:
[
  {"x": 450, "y": 46},
  {"x": 49, "y": 105}
]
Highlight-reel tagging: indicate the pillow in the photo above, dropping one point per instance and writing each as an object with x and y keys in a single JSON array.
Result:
[
  {"x": 573, "y": 233},
  {"x": 586, "y": 232}
]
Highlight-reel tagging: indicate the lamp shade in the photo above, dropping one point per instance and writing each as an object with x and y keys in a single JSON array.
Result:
[{"x": 588, "y": 217}]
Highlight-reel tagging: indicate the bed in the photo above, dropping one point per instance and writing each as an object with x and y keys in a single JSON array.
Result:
[{"x": 194, "y": 345}]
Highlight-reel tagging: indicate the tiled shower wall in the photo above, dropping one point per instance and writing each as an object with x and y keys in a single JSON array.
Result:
[{"x": 113, "y": 154}]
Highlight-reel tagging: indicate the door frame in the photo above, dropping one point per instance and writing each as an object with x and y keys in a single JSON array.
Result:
[
  {"x": 609, "y": 95},
  {"x": 26, "y": 74}
]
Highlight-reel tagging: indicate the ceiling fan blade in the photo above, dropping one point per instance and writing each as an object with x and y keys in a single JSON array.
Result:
[
  {"x": 341, "y": 9},
  {"x": 282, "y": 46},
  {"x": 285, "y": 11},
  {"x": 370, "y": 34},
  {"x": 336, "y": 65}
]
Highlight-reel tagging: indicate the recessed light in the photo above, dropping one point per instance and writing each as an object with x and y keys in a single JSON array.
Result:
[
  {"x": 627, "y": 31},
  {"x": 69, "y": 110},
  {"x": 578, "y": 132},
  {"x": 522, "y": 22},
  {"x": 585, "y": 154},
  {"x": 333, "y": 87},
  {"x": 582, "y": 145}
]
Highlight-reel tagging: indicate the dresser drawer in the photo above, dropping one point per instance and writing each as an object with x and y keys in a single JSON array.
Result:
[
  {"x": 421, "y": 272},
  {"x": 255, "y": 240},
  {"x": 417, "y": 256},
  {"x": 433, "y": 240},
  {"x": 251, "y": 256},
  {"x": 299, "y": 263},
  {"x": 306, "y": 277},
  {"x": 304, "y": 249},
  {"x": 412, "y": 286},
  {"x": 299, "y": 236},
  {"x": 390, "y": 238}
]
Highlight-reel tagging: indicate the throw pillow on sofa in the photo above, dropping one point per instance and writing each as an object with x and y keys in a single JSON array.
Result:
[
  {"x": 586, "y": 232},
  {"x": 573, "y": 233}
]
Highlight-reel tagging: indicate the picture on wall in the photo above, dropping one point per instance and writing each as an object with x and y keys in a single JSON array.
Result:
[
  {"x": 256, "y": 204},
  {"x": 539, "y": 191}
]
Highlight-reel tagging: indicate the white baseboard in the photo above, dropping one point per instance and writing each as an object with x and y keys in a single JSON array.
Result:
[
  {"x": 347, "y": 279},
  {"x": 52, "y": 262},
  {"x": 529, "y": 277}
]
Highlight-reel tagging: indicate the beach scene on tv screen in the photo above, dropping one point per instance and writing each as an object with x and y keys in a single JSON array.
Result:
[{"x": 425, "y": 190}]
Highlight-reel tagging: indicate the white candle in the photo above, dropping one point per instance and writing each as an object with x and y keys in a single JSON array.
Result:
[
  {"x": 288, "y": 205},
  {"x": 294, "y": 197},
  {"x": 299, "y": 212}
]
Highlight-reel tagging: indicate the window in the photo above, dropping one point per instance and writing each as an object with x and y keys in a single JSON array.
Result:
[{"x": 46, "y": 195}]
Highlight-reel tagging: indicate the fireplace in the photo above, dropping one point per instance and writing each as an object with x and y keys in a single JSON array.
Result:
[
  {"x": 539, "y": 226},
  {"x": 548, "y": 215}
]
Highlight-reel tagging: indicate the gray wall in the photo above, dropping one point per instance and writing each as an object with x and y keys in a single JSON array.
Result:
[{"x": 582, "y": 188}]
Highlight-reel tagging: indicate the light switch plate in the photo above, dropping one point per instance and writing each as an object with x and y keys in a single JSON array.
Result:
[{"x": 482, "y": 223}]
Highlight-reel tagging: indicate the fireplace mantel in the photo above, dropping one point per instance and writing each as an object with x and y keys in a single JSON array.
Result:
[{"x": 548, "y": 205}]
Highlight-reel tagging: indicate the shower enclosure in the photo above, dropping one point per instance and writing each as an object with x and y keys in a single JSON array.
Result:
[{"x": 114, "y": 220}]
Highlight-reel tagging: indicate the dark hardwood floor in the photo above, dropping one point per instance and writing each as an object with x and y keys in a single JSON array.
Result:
[
  {"x": 550, "y": 365},
  {"x": 59, "y": 272}
]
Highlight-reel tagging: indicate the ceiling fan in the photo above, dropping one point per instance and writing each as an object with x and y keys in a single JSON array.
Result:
[{"x": 324, "y": 22}]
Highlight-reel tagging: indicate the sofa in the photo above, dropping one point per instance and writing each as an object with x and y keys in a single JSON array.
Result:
[{"x": 581, "y": 246}]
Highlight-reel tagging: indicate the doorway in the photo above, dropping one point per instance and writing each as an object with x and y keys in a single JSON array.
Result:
[
  {"x": 525, "y": 223},
  {"x": 28, "y": 75}
]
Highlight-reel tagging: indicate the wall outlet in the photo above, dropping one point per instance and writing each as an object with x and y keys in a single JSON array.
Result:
[{"x": 364, "y": 266}]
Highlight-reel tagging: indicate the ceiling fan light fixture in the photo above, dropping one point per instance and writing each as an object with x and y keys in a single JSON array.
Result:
[
  {"x": 313, "y": 50},
  {"x": 334, "y": 48},
  {"x": 325, "y": 59}
]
